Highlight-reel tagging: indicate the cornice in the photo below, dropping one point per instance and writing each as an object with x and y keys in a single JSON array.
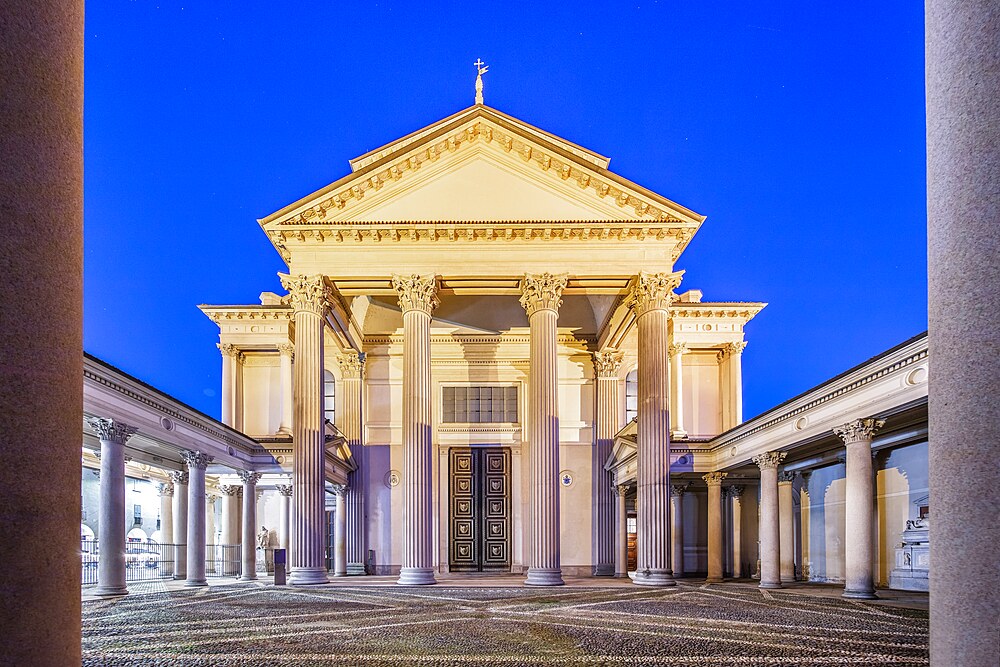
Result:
[
  {"x": 219, "y": 314},
  {"x": 735, "y": 310},
  {"x": 466, "y": 339}
]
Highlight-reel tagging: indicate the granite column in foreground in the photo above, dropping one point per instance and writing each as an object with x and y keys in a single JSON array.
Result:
[
  {"x": 770, "y": 559},
  {"x": 111, "y": 538}
]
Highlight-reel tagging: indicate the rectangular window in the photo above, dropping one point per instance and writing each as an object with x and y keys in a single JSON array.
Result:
[{"x": 479, "y": 405}]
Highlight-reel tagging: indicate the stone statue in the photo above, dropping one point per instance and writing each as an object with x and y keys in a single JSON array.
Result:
[{"x": 262, "y": 537}]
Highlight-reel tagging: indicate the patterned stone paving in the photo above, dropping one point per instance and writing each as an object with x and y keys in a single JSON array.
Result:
[{"x": 731, "y": 624}]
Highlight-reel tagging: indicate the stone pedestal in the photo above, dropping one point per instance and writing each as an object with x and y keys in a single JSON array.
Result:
[
  {"x": 541, "y": 300},
  {"x": 196, "y": 463},
  {"x": 770, "y": 563},
  {"x": 310, "y": 299},
  {"x": 859, "y": 511},
  {"x": 714, "y": 482},
  {"x": 650, "y": 300},
  {"x": 786, "y": 527},
  {"x": 111, "y": 539},
  {"x": 606, "y": 366},
  {"x": 417, "y": 299}
]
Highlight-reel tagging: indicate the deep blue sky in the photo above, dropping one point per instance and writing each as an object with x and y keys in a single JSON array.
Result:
[{"x": 797, "y": 128}]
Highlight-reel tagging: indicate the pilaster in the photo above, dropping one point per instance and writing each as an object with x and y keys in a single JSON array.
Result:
[{"x": 786, "y": 529}]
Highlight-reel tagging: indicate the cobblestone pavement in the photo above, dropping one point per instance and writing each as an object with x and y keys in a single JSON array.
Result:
[{"x": 690, "y": 624}]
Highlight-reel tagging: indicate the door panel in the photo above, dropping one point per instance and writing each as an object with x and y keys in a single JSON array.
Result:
[{"x": 479, "y": 510}]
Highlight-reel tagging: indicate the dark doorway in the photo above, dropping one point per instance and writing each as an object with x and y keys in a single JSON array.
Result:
[{"x": 479, "y": 510}]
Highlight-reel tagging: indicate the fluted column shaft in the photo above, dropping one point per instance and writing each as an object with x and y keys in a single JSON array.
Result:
[
  {"x": 606, "y": 366},
  {"x": 677, "y": 528},
  {"x": 310, "y": 297},
  {"x": 340, "y": 533},
  {"x": 650, "y": 301},
  {"x": 111, "y": 538},
  {"x": 180, "y": 523},
  {"x": 734, "y": 494},
  {"x": 196, "y": 462},
  {"x": 677, "y": 390},
  {"x": 770, "y": 567},
  {"x": 621, "y": 532},
  {"x": 859, "y": 507},
  {"x": 285, "y": 352},
  {"x": 541, "y": 300},
  {"x": 249, "y": 541},
  {"x": 714, "y": 481},
  {"x": 417, "y": 299},
  {"x": 786, "y": 528},
  {"x": 352, "y": 372}
]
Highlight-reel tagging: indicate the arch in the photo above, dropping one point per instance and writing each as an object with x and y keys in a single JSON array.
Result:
[
  {"x": 136, "y": 534},
  {"x": 86, "y": 532}
]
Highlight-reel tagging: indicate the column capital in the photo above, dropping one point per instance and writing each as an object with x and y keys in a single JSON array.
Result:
[
  {"x": 287, "y": 349},
  {"x": 416, "y": 292},
  {"x": 786, "y": 477},
  {"x": 715, "y": 478},
  {"x": 249, "y": 477},
  {"x": 229, "y": 350},
  {"x": 735, "y": 491},
  {"x": 165, "y": 490},
  {"x": 653, "y": 291},
  {"x": 211, "y": 498},
  {"x": 284, "y": 489},
  {"x": 310, "y": 294},
  {"x": 230, "y": 489},
  {"x": 678, "y": 490},
  {"x": 736, "y": 347},
  {"x": 179, "y": 477},
  {"x": 769, "y": 460},
  {"x": 607, "y": 363},
  {"x": 339, "y": 490},
  {"x": 858, "y": 430},
  {"x": 352, "y": 366},
  {"x": 621, "y": 489},
  {"x": 542, "y": 291},
  {"x": 678, "y": 348},
  {"x": 112, "y": 430},
  {"x": 196, "y": 459}
]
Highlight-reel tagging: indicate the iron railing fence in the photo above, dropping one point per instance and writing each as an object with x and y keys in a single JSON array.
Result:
[
  {"x": 223, "y": 560},
  {"x": 144, "y": 561}
]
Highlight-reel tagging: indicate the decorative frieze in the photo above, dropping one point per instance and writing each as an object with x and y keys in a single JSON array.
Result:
[
  {"x": 416, "y": 292},
  {"x": 112, "y": 430},
  {"x": 542, "y": 292},
  {"x": 607, "y": 363},
  {"x": 859, "y": 430},
  {"x": 654, "y": 291},
  {"x": 769, "y": 460},
  {"x": 311, "y": 294}
]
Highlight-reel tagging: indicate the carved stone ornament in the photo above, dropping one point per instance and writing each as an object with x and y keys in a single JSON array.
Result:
[
  {"x": 179, "y": 477},
  {"x": 678, "y": 490},
  {"x": 112, "y": 430},
  {"x": 654, "y": 291},
  {"x": 339, "y": 490},
  {"x": 621, "y": 490},
  {"x": 196, "y": 459},
  {"x": 607, "y": 363},
  {"x": 542, "y": 292},
  {"x": 859, "y": 430},
  {"x": 311, "y": 294},
  {"x": 228, "y": 350},
  {"x": 735, "y": 491},
  {"x": 769, "y": 459},
  {"x": 287, "y": 348},
  {"x": 678, "y": 348},
  {"x": 736, "y": 348},
  {"x": 165, "y": 490},
  {"x": 786, "y": 477},
  {"x": 715, "y": 478},
  {"x": 249, "y": 477},
  {"x": 352, "y": 365},
  {"x": 284, "y": 489},
  {"x": 230, "y": 489},
  {"x": 416, "y": 292}
]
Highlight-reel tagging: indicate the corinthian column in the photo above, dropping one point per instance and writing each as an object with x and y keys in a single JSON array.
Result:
[
  {"x": 734, "y": 494},
  {"x": 230, "y": 527},
  {"x": 286, "y": 353},
  {"x": 734, "y": 358},
  {"x": 677, "y": 351},
  {"x": 210, "y": 531},
  {"x": 770, "y": 567},
  {"x": 417, "y": 299},
  {"x": 232, "y": 385},
  {"x": 650, "y": 301},
  {"x": 606, "y": 366},
  {"x": 352, "y": 367},
  {"x": 180, "y": 508},
  {"x": 540, "y": 296},
  {"x": 249, "y": 541},
  {"x": 196, "y": 463},
  {"x": 621, "y": 532},
  {"x": 111, "y": 538},
  {"x": 166, "y": 493},
  {"x": 859, "y": 507},
  {"x": 284, "y": 517},
  {"x": 786, "y": 528},
  {"x": 714, "y": 481},
  {"x": 340, "y": 532},
  {"x": 310, "y": 299},
  {"x": 677, "y": 524}
]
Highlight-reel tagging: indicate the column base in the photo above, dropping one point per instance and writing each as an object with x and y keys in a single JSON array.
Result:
[
  {"x": 604, "y": 571},
  {"x": 195, "y": 582},
  {"x": 116, "y": 590},
  {"x": 356, "y": 569},
  {"x": 860, "y": 595},
  {"x": 308, "y": 576},
  {"x": 654, "y": 578},
  {"x": 248, "y": 577},
  {"x": 340, "y": 574},
  {"x": 714, "y": 580},
  {"x": 678, "y": 434},
  {"x": 770, "y": 584},
  {"x": 416, "y": 576},
  {"x": 179, "y": 577},
  {"x": 621, "y": 575},
  {"x": 541, "y": 576}
]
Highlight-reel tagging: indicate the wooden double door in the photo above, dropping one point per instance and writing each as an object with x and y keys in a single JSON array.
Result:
[{"x": 479, "y": 510}]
